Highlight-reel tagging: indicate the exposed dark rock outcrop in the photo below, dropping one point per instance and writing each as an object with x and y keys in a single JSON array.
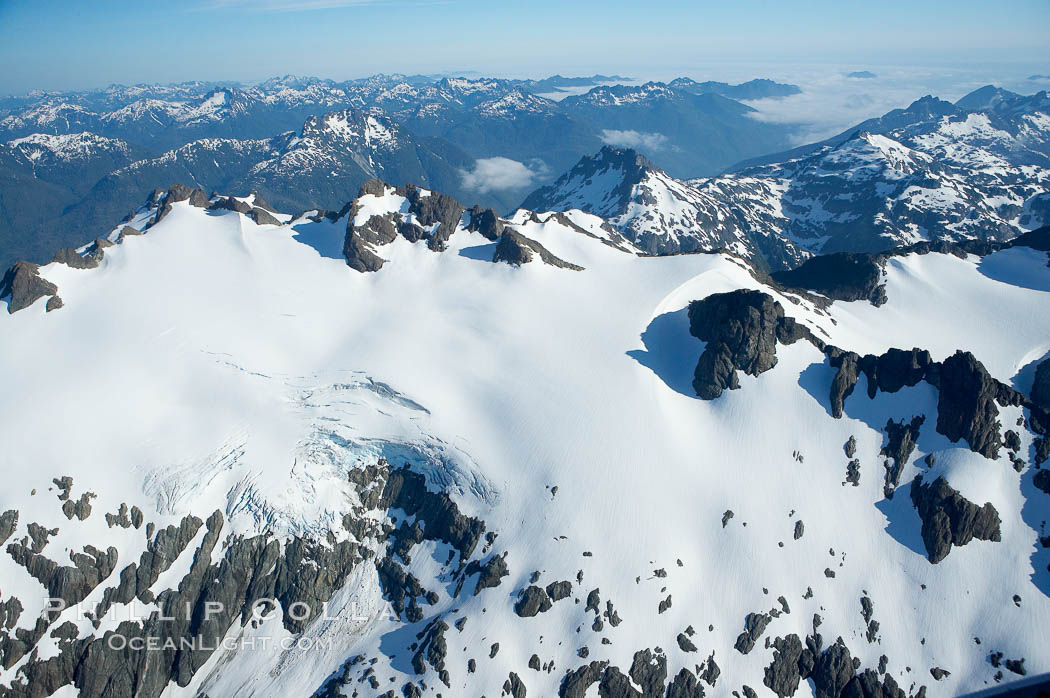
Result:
[
  {"x": 407, "y": 490},
  {"x": 432, "y": 647},
  {"x": 754, "y": 625},
  {"x": 833, "y": 670},
  {"x": 900, "y": 444},
  {"x": 1041, "y": 385},
  {"x": 889, "y": 372},
  {"x": 783, "y": 675},
  {"x": 1041, "y": 480},
  {"x": 262, "y": 217},
  {"x": 433, "y": 208},
  {"x": 8, "y": 524},
  {"x": 516, "y": 249},
  {"x": 576, "y": 682},
  {"x": 513, "y": 686},
  {"x": 844, "y": 276},
  {"x": 741, "y": 329},
  {"x": 22, "y": 285},
  {"x": 70, "y": 257},
  {"x": 845, "y": 379},
  {"x": 559, "y": 590},
  {"x": 163, "y": 200},
  {"x": 531, "y": 601},
  {"x": 359, "y": 254},
  {"x": 966, "y": 408},
  {"x": 431, "y": 217},
  {"x": 684, "y": 643},
  {"x": 967, "y": 394},
  {"x": 685, "y": 685},
  {"x": 289, "y": 576},
  {"x": 649, "y": 671},
  {"x": 487, "y": 222},
  {"x": 950, "y": 519},
  {"x": 230, "y": 203},
  {"x": 490, "y": 573}
]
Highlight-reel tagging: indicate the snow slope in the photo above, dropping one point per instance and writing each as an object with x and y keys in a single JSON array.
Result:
[{"x": 224, "y": 365}]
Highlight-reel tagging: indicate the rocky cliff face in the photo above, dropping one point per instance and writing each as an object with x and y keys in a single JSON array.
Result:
[
  {"x": 741, "y": 329},
  {"x": 239, "y": 580},
  {"x": 949, "y": 519}
]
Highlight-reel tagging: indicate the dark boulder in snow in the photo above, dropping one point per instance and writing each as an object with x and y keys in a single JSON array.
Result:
[
  {"x": 754, "y": 625},
  {"x": 491, "y": 573},
  {"x": 950, "y": 519},
  {"x": 559, "y": 590},
  {"x": 531, "y": 601},
  {"x": 513, "y": 686}
]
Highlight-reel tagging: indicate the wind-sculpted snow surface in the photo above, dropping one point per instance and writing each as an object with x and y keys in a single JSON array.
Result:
[{"x": 461, "y": 476}]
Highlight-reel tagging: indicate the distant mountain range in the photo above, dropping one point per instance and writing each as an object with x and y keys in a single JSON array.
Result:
[
  {"x": 275, "y": 137},
  {"x": 976, "y": 169},
  {"x": 933, "y": 170}
]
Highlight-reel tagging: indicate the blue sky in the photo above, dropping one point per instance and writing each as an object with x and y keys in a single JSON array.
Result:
[{"x": 71, "y": 44}]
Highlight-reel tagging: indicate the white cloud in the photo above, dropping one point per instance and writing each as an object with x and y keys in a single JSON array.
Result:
[
  {"x": 831, "y": 102},
  {"x": 634, "y": 139},
  {"x": 497, "y": 174}
]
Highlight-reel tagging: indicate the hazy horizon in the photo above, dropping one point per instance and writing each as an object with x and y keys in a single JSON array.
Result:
[{"x": 54, "y": 46}]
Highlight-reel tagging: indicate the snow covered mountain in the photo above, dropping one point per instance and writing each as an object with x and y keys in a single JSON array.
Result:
[
  {"x": 447, "y": 125},
  {"x": 409, "y": 448},
  {"x": 661, "y": 215},
  {"x": 320, "y": 164},
  {"x": 982, "y": 174}
]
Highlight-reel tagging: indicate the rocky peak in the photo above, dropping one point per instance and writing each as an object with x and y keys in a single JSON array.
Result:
[{"x": 601, "y": 184}]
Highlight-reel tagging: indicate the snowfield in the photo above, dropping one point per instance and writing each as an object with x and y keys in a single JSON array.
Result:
[{"x": 213, "y": 364}]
